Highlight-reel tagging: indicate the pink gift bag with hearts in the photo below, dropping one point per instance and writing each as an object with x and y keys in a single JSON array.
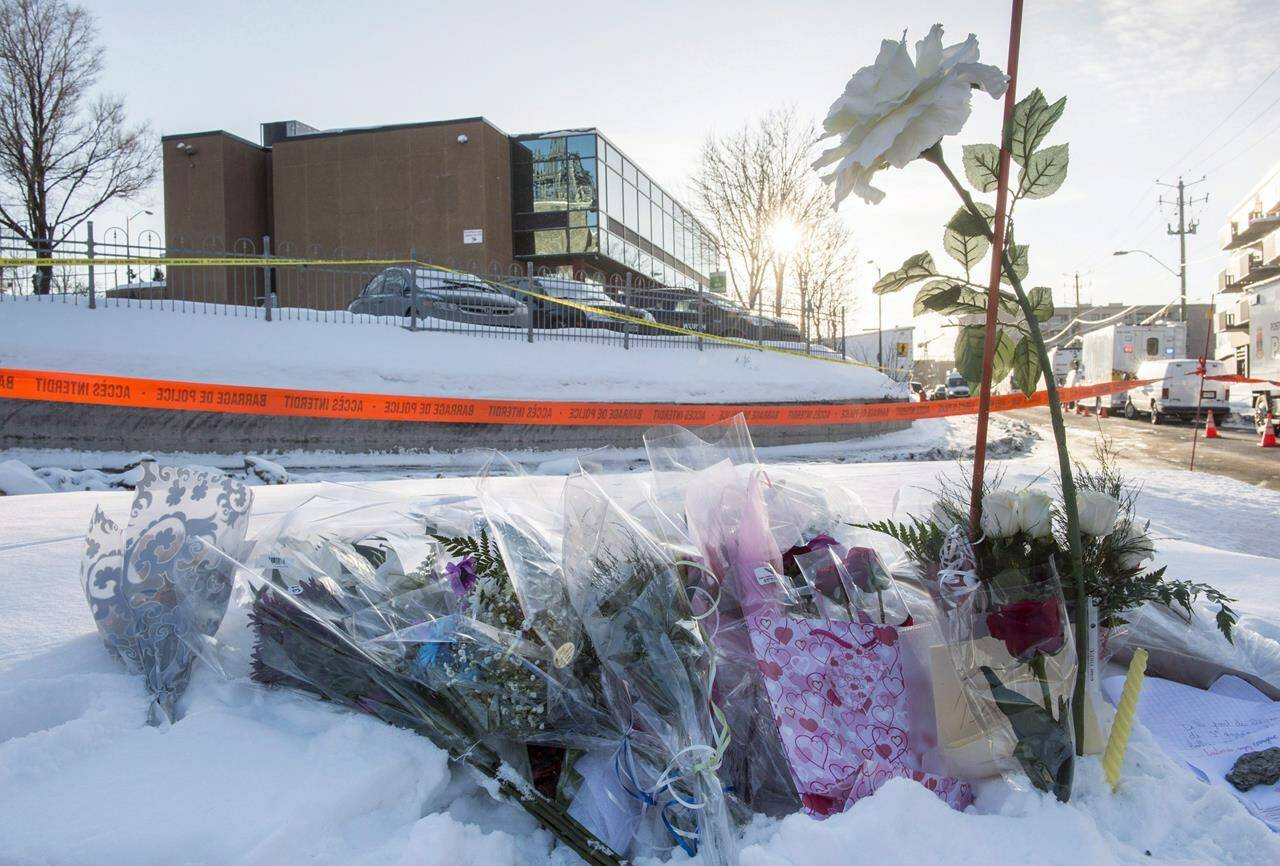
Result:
[
  {"x": 838, "y": 698},
  {"x": 956, "y": 794}
]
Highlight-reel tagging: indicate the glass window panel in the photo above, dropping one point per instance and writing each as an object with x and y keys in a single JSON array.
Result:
[
  {"x": 614, "y": 198},
  {"x": 583, "y": 241},
  {"x": 630, "y": 215},
  {"x": 645, "y": 186},
  {"x": 581, "y": 145},
  {"x": 580, "y": 175},
  {"x": 523, "y": 245},
  {"x": 550, "y": 185},
  {"x": 615, "y": 158},
  {"x": 547, "y": 243},
  {"x": 643, "y": 217},
  {"x": 628, "y": 171},
  {"x": 539, "y": 149},
  {"x": 656, "y": 210},
  {"x": 543, "y": 220},
  {"x": 668, "y": 234},
  {"x": 616, "y": 248}
]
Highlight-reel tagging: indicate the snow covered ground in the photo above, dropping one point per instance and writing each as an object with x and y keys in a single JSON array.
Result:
[
  {"x": 252, "y": 776},
  {"x": 65, "y": 470},
  {"x": 385, "y": 359}
]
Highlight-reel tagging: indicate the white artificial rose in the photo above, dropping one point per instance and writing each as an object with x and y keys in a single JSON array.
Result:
[
  {"x": 1098, "y": 512},
  {"x": 894, "y": 110},
  {"x": 1136, "y": 548},
  {"x": 1000, "y": 514},
  {"x": 1035, "y": 513}
]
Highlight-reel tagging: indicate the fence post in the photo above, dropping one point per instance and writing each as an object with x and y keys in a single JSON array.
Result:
[
  {"x": 93, "y": 296},
  {"x": 529, "y": 299},
  {"x": 843, "y": 351},
  {"x": 266, "y": 275},
  {"x": 413, "y": 290},
  {"x": 806, "y": 314},
  {"x": 760, "y": 316},
  {"x": 626, "y": 326},
  {"x": 699, "y": 328}
]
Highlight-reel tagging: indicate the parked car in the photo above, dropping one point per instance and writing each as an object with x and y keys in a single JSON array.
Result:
[
  {"x": 1178, "y": 393},
  {"x": 713, "y": 314},
  {"x": 549, "y": 314},
  {"x": 918, "y": 394},
  {"x": 453, "y": 297},
  {"x": 956, "y": 386},
  {"x": 939, "y": 393}
]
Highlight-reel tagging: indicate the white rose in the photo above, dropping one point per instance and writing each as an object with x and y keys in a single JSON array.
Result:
[
  {"x": 1098, "y": 512},
  {"x": 1136, "y": 548},
  {"x": 1000, "y": 514},
  {"x": 1035, "y": 513},
  {"x": 894, "y": 110}
]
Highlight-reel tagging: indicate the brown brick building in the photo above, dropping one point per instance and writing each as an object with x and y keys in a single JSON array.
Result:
[{"x": 461, "y": 193}]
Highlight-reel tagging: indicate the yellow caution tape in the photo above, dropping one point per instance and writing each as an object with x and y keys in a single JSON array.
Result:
[{"x": 282, "y": 261}]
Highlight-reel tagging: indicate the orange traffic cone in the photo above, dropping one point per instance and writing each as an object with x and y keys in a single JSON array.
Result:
[
  {"x": 1102, "y": 412},
  {"x": 1086, "y": 412},
  {"x": 1211, "y": 429},
  {"x": 1268, "y": 439}
]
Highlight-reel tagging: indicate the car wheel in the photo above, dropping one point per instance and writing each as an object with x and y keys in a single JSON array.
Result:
[{"x": 1130, "y": 412}]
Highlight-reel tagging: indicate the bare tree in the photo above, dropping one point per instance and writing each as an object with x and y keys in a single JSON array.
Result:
[
  {"x": 63, "y": 153},
  {"x": 822, "y": 267},
  {"x": 749, "y": 182}
]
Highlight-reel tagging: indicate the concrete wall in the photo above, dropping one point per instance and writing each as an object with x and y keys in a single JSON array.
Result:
[{"x": 35, "y": 424}]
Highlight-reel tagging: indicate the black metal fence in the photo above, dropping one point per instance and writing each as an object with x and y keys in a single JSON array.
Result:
[{"x": 516, "y": 301}]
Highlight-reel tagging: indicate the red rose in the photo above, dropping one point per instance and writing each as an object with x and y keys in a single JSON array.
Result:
[{"x": 1028, "y": 627}]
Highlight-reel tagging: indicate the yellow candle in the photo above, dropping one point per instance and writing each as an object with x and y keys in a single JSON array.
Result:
[{"x": 1113, "y": 757}]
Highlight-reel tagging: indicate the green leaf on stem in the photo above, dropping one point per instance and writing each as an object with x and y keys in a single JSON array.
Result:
[
  {"x": 968, "y": 351},
  {"x": 1044, "y": 172},
  {"x": 1041, "y": 299},
  {"x": 1033, "y": 117},
  {"x": 1043, "y": 743},
  {"x": 982, "y": 166},
  {"x": 1018, "y": 259},
  {"x": 937, "y": 296},
  {"x": 1026, "y": 367},
  {"x": 918, "y": 267},
  {"x": 965, "y": 236}
]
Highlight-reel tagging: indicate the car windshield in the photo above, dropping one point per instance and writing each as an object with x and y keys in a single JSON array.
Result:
[
  {"x": 453, "y": 282},
  {"x": 955, "y": 381}
]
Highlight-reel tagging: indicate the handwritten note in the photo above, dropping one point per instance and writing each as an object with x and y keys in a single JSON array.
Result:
[{"x": 1209, "y": 730}]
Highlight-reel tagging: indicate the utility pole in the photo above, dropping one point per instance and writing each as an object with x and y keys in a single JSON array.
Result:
[{"x": 1184, "y": 228}]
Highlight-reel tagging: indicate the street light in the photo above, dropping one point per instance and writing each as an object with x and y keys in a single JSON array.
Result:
[
  {"x": 1181, "y": 275},
  {"x": 879, "y": 320},
  {"x": 128, "y": 220}
]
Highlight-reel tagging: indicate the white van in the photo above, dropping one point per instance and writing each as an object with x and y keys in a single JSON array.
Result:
[{"x": 1177, "y": 395}]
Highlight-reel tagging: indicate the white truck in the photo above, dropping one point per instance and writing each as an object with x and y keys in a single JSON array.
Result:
[
  {"x": 1114, "y": 353},
  {"x": 1178, "y": 391},
  {"x": 1264, "y": 352},
  {"x": 1063, "y": 360}
]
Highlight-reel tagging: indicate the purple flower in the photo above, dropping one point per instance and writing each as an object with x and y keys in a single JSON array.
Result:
[{"x": 462, "y": 575}]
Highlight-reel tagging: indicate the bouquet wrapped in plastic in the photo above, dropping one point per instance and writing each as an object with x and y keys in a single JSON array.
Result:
[
  {"x": 158, "y": 588},
  {"x": 656, "y": 668},
  {"x": 422, "y": 631}
]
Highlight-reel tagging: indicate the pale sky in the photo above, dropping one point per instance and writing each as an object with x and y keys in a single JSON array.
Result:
[{"x": 1145, "y": 81}]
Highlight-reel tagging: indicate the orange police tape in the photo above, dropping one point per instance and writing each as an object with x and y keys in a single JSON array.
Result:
[{"x": 96, "y": 390}]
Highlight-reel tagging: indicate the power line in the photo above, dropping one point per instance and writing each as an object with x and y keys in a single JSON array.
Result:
[
  {"x": 1221, "y": 123},
  {"x": 1239, "y": 132},
  {"x": 1257, "y": 141}
]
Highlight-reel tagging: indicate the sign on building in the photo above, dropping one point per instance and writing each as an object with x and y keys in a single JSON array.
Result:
[
  {"x": 473, "y": 236},
  {"x": 718, "y": 282}
]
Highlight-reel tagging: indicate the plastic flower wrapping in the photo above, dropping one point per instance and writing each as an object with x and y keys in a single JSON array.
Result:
[
  {"x": 641, "y": 662},
  {"x": 159, "y": 587}
]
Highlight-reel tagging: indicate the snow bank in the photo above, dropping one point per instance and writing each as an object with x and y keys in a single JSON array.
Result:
[
  {"x": 258, "y": 776},
  {"x": 385, "y": 359},
  {"x": 16, "y": 479}
]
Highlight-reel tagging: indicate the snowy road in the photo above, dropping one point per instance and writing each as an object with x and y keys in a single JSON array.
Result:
[{"x": 1236, "y": 454}]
